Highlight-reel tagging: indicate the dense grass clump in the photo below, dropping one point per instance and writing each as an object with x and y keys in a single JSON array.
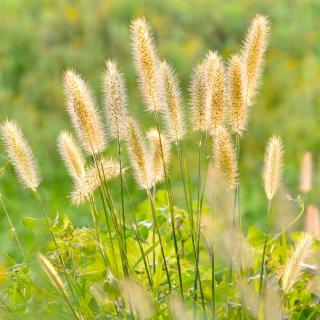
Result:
[{"x": 159, "y": 260}]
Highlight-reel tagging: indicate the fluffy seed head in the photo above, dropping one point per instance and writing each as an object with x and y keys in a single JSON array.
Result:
[
  {"x": 115, "y": 100},
  {"x": 102, "y": 170},
  {"x": 237, "y": 95},
  {"x": 273, "y": 163},
  {"x": 156, "y": 154},
  {"x": 215, "y": 95},
  {"x": 83, "y": 113},
  {"x": 312, "y": 220},
  {"x": 306, "y": 173},
  {"x": 138, "y": 155},
  {"x": 224, "y": 159},
  {"x": 136, "y": 299},
  {"x": 52, "y": 274},
  {"x": 71, "y": 155},
  {"x": 146, "y": 63},
  {"x": 171, "y": 99},
  {"x": 20, "y": 154},
  {"x": 293, "y": 268},
  {"x": 255, "y": 45},
  {"x": 198, "y": 97}
]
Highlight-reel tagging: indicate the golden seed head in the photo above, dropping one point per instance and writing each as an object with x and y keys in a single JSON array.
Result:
[
  {"x": 71, "y": 155},
  {"x": 198, "y": 97},
  {"x": 100, "y": 171},
  {"x": 273, "y": 163},
  {"x": 136, "y": 299},
  {"x": 215, "y": 95},
  {"x": 306, "y": 173},
  {"x": 171, "y": 99},
  {"x": 84, "y": 114},
  {"x": 52, "y": 274},
  {"x": 115, "y": 100},
  {"x": 312, "y": 220},
  {"x": 138, "y": 155},
  {"x": 146, "y": 63},
  {"x": 293, "y": 268},
  {"x": 255, "y": 45},
  {"x": 224, "y": 158},
  {"x": 156, "y": 154},
  {"x": 20, "y": 154},
  {"x": 237, "y": 95}
]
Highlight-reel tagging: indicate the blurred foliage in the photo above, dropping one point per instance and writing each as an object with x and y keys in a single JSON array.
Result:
[{"x": 40, "y": 39}]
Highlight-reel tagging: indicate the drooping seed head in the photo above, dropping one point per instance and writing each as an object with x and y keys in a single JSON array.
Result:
[
  {"x": 255, "y": 45},
  {"x": 224, "y": 158},
  {"x": 83, "y": 113},
  {"x": 146, "y": 63},
  {"x": 273, "y": 163},
  {"x": 20, "y": 154},
  {"x": 171, "y": 99},
  {"x": 102, "y": 170},
  {"x": 71, "y": 155},
  {"x": 215, "y": 96},
  {"x": 293, "y": 268},
  {"x": 306, "y": 173},
  {"x": 198, "y": 98},
  {"x": 136, "y": 299},
  {"x": 138, "y": 155},
  {"x": 115, "y": 100},
  {"x": 52, "y": 274},
  {"x": 237, "y": 95},
  {"x": 159, "y": 151}
]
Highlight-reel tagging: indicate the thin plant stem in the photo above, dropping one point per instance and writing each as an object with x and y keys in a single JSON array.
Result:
[
  {"x": 97, "y": 228},
  {"x": 264, "y": 251},
  {"x": 213, "y": 306},
  {"x": 170, "y": 198},
  {"x": 13, "y": 229},
  {"x": 122, "y": 195},
  {"x": 159, "y": 236}
]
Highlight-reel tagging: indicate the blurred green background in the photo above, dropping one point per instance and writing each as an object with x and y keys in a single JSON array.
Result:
[{"x": 40, "y": 39}]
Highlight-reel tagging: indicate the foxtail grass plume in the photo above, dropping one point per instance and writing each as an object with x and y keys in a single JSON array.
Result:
[
  {"x": 83, "y": 112},
  {"x": 52, "y": 274},
  {"x": 100, "y": 171},
  {"x": 224, "y": 158},
  {"x": 71, "y": 155},
  {"x": 115, "y": 100},
  {"x": 20, "y": 154},
  {"x": 237, "y": 95},
  {"x": 312, "y": 221},
  {"x": 273, "y": 163},
  {"x": 198, "y": 97},
  {"x": 138, "y": 155},
  {"x": 146, "y": 63},
  {"x": 293, "y": 268},
  {"x": 156, "y": 154},
  {"x": 171, "y": 99},
  {"x": 306, "y": 173},
  {"x": 215, "y": 95},
  {"x": 179, "y": 310},
  {"x": 136, "y": 299},
  {"x": 255, "y": 46}
]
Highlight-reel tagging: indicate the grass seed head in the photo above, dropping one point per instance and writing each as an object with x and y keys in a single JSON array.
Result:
[
  {"x": 115, "y": 100},
  {"x": 224, "y": 158},
  {"x": 255, "y": 45},
  {"x": 215, "y": 93},
  {"x": 198, "y": 91},
  {"x": 20, "y": 154},
  {"x": 237, "y": 95},
  {"x": 83, "y": 112},
  {"x": 171, "y": 101},
  {"x": 273, "y": 163},
  {"x": 138, "y": 155},
  {"x": 146, "y": 63},
  {"x": 306, "y": 173},
  {"x": 71, "y": 155}
]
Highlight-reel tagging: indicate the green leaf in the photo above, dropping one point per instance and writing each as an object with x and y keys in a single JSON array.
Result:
[{"x": 255, "y": 236}]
